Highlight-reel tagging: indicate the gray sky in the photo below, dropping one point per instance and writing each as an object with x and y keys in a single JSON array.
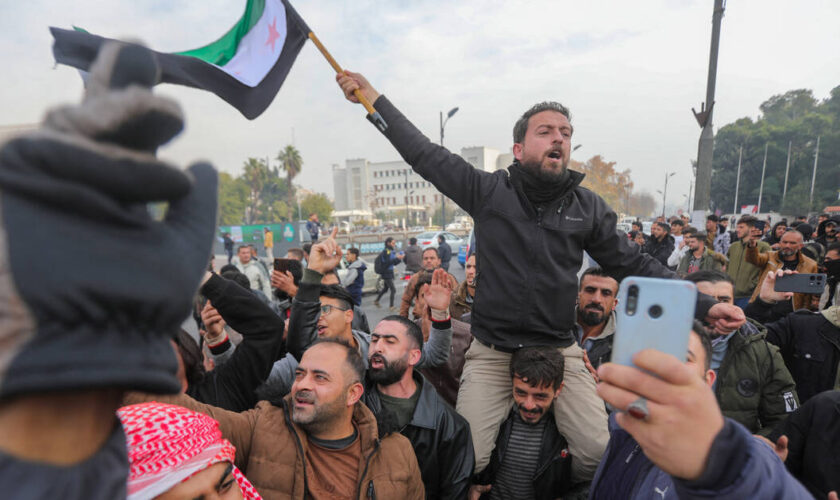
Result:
[{"x": 629, "y": 71}]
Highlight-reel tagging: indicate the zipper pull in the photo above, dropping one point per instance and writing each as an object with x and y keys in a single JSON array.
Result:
[{"x": 371, "y": 493}]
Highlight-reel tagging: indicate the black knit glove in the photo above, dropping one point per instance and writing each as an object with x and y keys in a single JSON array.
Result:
[{"x": 92, "y": 289}]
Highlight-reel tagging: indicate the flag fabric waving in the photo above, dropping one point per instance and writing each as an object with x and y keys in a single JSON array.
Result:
[{"x": 245, "y": 67}]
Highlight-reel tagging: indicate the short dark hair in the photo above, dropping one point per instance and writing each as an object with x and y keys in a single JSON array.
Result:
[
  {"x": 689, "y": 231},
  {"x": 636, "y": 223},
  {"x": 239, "y": 278},
  {"x": 296, "y": 252},
  {"x": 411, "y": 329},
  {"x": 353, "y": 250},
  {"x": 700, "y": 235},
  {"x": 709, "y": 276},
  {"x": 713, "y": 217},
  {"x": 678, "y": 222},
  {"x": 240, "y": 247},
  {"x": 834, "y": 246},
  {"x": 538, "y": 366},
  {"x": 353, "y": 358},
  {"x": 191, "y": 356},
  {"x": 228, "y": 267},
  {"x": 412, "y": 241},
  {"x": 664, "y": 225},
  {"x": 431, "y": 249},
  {"x": 339, "y": 293},
  {"x": 520, "y": 128},
  {"x": 441, "y": 238},
  {"x": 424, "y": 277},
  {"x": 749, "y": 220},
  {"x": 307, "y": 247},
  {"x": 388, "y": 240},
  {"x": 824, "y": 214},
  {"x": 592, "y": 271},
  {"x": 705, "y": 340}
]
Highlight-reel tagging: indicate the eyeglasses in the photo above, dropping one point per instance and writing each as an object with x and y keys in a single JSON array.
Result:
[{"x": 328, "y": 309}]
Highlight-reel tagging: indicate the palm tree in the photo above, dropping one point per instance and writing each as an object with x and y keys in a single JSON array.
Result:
[{"x": 291, "y": 163}]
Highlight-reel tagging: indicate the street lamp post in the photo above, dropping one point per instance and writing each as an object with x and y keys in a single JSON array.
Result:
[
  {"x": 442, "y": 197},
  {"x": 665, "y": 191}
]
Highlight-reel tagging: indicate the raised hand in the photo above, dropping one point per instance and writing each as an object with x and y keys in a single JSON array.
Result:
[
  {"x": 214, "y": 324},
  {"x": 284, "y": 281},
  {"x": 439, "y": 293},
  {"x": 767, "y": 292},
  {"x": 326, "y": 255},
  {"x": 350, "y": 82}
]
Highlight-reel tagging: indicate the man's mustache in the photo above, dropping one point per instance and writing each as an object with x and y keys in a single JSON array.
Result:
[{"x": 597, "y": 307}]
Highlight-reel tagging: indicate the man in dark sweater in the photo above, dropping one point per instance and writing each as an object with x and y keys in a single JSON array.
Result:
[{"x": 539, "y": 204}]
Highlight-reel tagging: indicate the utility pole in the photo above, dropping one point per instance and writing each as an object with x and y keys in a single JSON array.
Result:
[
  {"x": 405, "y": 224},
  {"x": 442, "y": 197},
  {"x": 706, "y": 146},
  {"x": 763, "y": 168},
  {"x": 738, "y": 179},
  {"x": 787, "y": 170},
  {"x": 814, "y": 175}
]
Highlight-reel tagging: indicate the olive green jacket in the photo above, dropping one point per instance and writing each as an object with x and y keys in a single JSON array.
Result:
[
  {"x": 744, "y": 274},
  {"x": 708, "y": 262},
  {"x": 754, "y": 387}
]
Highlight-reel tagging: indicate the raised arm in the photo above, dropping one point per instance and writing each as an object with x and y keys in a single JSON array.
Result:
[{"x": 451, "y": 175}]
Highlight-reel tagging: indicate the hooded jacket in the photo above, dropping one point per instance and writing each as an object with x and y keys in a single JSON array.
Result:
[
  {"x": 533, "y": 252},
  {"x": 660, "y": 250},
  {"x": 355, "y": 279},
  {"x": 440, "y": 437},
  {"x": 810, "y": 345},
  {"x": 754, "y": 387},
  {"x": 413, "y": 258}
]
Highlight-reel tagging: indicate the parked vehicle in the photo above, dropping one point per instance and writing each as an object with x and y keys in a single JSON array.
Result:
[
  {"x": 430, "y": 240},
  {"x": 466, "y": 248}
]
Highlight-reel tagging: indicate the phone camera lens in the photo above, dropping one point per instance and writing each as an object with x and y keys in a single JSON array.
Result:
[
  {"x": 655, "y": 311},
  {"x": 632, "y": 298}
]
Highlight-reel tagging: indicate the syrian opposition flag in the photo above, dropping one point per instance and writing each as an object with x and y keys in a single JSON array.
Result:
[{"x": 245, "y": 67}]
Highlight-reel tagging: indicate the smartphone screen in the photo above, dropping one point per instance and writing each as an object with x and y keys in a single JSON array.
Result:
[
  {"x": 653, "y": 313},
  {"x": 281, "y": 265}
]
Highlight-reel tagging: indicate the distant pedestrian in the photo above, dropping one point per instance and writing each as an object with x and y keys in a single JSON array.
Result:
[
  {"x": 313, "y": 226},
  {"x": 268, "y": 243},
  {"x": 413, "y": 257},
  {"x": 384, "y": 266},
  {"x": 445, "y": 252},
  {"x": 228, "y": 246}
]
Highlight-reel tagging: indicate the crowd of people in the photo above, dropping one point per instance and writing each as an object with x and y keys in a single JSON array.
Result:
[{"x": 498, "y": 387}]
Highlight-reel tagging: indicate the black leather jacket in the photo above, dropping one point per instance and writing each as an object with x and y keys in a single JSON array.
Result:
[
  {"x": 440, "y": 437},
  {"x": 553, "y": 477}
]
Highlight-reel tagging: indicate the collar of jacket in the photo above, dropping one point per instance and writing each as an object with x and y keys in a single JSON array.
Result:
[
  {"x": 425, "y": 413},
  {"x": 460, "y": 295},
  {"x": 751, "y": 331},
  {"x": 609, "y": 328},
  {"x": 575, "y": 178},
  {"x": 362, "y": 418}
]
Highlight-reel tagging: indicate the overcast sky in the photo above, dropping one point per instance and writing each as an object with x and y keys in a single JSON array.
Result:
[{"x": 629, "y": 71}]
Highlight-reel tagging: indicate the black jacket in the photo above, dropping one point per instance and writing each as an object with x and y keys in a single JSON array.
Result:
[
  {"x": 529, "y": 257},
  {"x": 440, "y": 437},
  {"x": 813, "y": 433},
  {"x": 660, "y": 250},
  {"x": 553, "y": 477},
  {"x": 231, "y": 384},
  {"x": 810, "y": 346},
  {"x": 445, "y": 252}
]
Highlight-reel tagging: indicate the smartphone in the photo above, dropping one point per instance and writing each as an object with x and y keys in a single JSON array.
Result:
[
  {"x": 281, "y": 265},
  {"x": 653, "y": 313},
  {"x": 801, "y": 283},
  {"x": 760, "y": 225}
]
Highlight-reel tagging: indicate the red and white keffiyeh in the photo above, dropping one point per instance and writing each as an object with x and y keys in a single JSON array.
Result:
[{"x": 168, "y": 444}]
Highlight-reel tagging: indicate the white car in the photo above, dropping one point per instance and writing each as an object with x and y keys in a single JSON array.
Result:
[{"x": 430, "y": 240}]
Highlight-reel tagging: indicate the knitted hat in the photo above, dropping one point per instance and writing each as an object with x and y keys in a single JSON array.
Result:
[
  {"x": 168, "y": 444},
  {"x": 92, "y": 288}
]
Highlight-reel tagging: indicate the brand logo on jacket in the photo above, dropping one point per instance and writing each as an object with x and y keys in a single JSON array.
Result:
[
  {"x": 574, "y": 219},
  {"x": 747, "y": 387}
]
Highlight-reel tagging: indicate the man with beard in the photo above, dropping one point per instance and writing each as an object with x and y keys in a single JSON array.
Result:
[
  {"x": 463, "y": 296},
  {"x": 404, "y": 401},
  {"x": 698, "y": 258},
  {"x": 320, "y": 441},
  {"x": 538, "y": 204},
  {"x": 531, "y": 459},
  {"x": 717, "y": 238},
  {"x": 753, "y": 386},
  {"x": 743, "y": 273},
  {"x": 596, "y": 314},
  {"x": 661, "y": 243},
  {"x": 788, "y": 257},
  {"x": 430, "y": 262}
]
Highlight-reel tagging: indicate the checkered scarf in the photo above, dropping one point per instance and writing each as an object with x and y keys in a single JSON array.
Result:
[{"x": 168, "y": 444}]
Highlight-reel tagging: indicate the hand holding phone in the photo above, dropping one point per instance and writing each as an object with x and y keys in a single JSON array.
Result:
[{"x": 813, "y": 283}]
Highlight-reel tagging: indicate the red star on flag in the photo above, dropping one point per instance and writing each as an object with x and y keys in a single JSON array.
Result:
[{"x": 273, "y": 35}]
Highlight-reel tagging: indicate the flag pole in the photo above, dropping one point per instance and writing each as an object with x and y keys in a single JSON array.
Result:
[{"x": 373, "y": 115}]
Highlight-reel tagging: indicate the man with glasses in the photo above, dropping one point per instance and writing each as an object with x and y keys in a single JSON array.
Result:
[{"x": 753, "y": 386}]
